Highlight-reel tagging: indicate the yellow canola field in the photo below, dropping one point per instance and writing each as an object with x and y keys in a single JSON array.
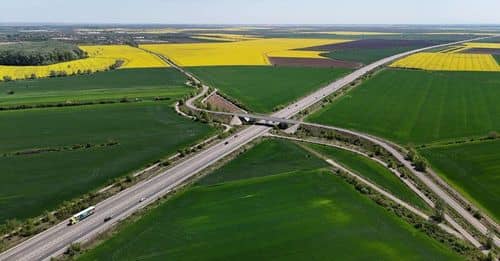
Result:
[
  {"x": 225, "y": 29},
  {"x": 449, "y": 62},
  {"x": 72, "y": 67},
  {"x": 465, "y": 46},
  {"x": 132, "y": 57},
  {"x": 226, "y": 37},
  {"x": 483, "y": 45},
  {"x": 101, "y": 57},
  {"x": 352, "y": 33},
  {"x": 252, "y": 52}
]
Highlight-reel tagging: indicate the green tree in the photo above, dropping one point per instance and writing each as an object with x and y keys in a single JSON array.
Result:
[
  {"x": 438, "y": 214},
  {"x": 73, "y": 249},
  {"x": 490, "y": 242},
  {"x": 420, "y": 165}
]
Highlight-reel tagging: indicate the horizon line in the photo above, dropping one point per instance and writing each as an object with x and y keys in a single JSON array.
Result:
[{"x": 248, "y": 24}]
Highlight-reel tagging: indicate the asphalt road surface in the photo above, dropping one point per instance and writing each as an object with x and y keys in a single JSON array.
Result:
[{"x": 55, "y": 240}]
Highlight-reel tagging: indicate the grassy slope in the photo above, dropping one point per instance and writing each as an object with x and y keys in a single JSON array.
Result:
[
  {"x": 473, "y": 168},
  {"x": 298, "y": 215},
  {"x": 419, "y": 107},
  {"x": 497, "y": 57},
  {"x": 30, "y": 184},
  {"x": 366, "y": 56},
  {"x": 130, "y": 83},
  {"x": 262, "y": 88},
  {"x": 372, "y": 171}
]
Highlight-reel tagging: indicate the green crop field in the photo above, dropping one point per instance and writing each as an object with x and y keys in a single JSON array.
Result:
[
  {"x": 129, "y": 83},
  {"x": 489, "y": 40},
  {"x": 372, "y": 171},
  {"x": 474, "y": 169},
  {"x": 299, "y": 215},
  {"x": 263, "y": 88},
  {"x": 364, "y": 55},
  {"x": 418, "y": 106},
  {"x": 497, "y": 57},
  {"x": 265, "y": 159},
  {"x": 33, "y": 182}
]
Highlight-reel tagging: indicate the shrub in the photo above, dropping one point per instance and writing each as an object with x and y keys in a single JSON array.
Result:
[
  {"x": 391, "y": 164},
  {"x": 420, "y": 165},
  {"x": 411, "y": 155},
  {"x": 489, "y": 241},
  {"x": 73, "y": 249},
  {"x": 165, "y": 163},
  {"x": 438, "y": 214},
  {"x": 477, "y": 214},
  {"x": 116, "y": 65}
]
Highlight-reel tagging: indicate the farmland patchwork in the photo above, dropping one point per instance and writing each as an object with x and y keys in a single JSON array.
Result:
[{"x": 252, "y": 52}]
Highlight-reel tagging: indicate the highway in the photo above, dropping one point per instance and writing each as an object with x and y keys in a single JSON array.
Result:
[{"x": 55, "y": 240}]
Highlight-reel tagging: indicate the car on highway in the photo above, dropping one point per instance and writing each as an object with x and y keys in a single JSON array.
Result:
[{"x": 106, "y": 219}]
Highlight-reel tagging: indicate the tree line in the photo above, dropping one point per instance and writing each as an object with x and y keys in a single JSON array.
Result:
[{"x": 41, "y": 53}]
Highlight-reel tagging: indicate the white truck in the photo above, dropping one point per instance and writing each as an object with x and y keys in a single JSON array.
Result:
[{"x": 81, "y": 215}]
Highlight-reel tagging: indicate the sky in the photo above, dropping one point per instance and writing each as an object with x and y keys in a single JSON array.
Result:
[{"x": 252, "y": 11}]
